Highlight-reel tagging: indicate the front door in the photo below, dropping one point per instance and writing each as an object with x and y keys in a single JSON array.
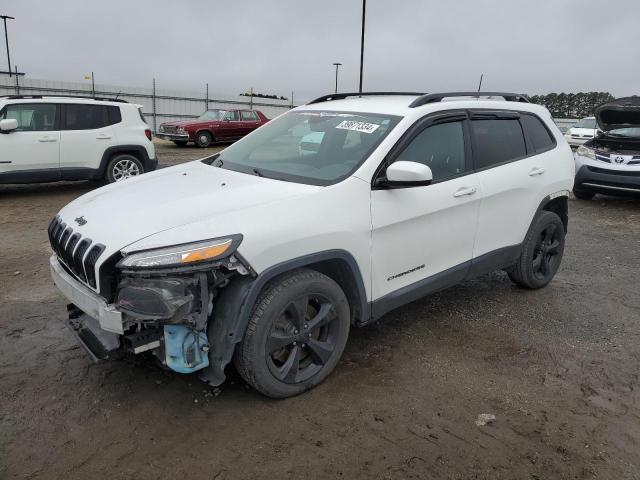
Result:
[
  {"x": 31, "y": 152},
  {"x": 230, "y": 127},
  {"x": 425, "y": 234}
]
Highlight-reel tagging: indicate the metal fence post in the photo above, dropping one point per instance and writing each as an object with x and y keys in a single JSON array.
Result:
[
  {"x": 206, "y": 99},
  {"x": 153, "y": 105},
  {"x": 17, "y": 82}
]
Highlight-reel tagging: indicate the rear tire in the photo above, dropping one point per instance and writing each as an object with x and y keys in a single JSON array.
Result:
[
  {"x": 296, "y": 334},
  {"x": 204, "y": 139},
  {"x": 180, "y": 143},
  {"x": 541, "y": 252},
  {"x": 123, "y": 166},
  {"x": 582, "y": 195}
]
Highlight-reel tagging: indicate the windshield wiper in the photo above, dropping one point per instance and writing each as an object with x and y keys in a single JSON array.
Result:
[{"x": 257, "y": 172}]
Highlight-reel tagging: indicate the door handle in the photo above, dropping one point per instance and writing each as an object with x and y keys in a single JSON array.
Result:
[
  {"x": 462, "y": 191},
  {"x": 47, "y": 139},
  {"x": 103, "y": 137},
  {"x": 536, "y": 171}
]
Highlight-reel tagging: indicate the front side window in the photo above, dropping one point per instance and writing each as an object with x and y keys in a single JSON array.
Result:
[
  {"x": 232, "y": 116},
  {"x": 214, "y": 114},
  {"x": 249, "y": 116},
  {"x": 497, "y": 141},
  {"x": 89, "y": 117},
  {"x": 313, "y": 147},
  {"x": 537, "y": 133},
  {"x": 31, "y": 117},
  {"x": 441, "y": 148}
]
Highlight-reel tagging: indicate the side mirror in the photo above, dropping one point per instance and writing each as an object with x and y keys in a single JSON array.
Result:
[
  {"x": 402, "y": 174},
  {"x": 8, "y": 124}
]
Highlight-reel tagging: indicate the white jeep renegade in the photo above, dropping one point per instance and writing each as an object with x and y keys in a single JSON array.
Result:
[
  {"x": 328, "y": 217},
  {"x": 47, "y": 139}
]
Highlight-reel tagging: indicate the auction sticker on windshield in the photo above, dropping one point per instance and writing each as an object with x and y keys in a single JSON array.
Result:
[{"x": 358, "y": 126}]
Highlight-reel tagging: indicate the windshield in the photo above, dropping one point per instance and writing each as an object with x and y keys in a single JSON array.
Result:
[
  {"x": 213, "y": 115},
  {"x": 586, "y": 123},
  {"x": 631, "y": 132},
  {"x": 314, "y": 147}
]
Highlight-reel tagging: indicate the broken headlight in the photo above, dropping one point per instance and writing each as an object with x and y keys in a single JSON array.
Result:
[
  {"x": 182, "y": 255},
  {"x": 586, "y": 152}
]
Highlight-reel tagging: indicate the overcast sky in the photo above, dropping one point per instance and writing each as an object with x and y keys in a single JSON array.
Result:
[{"x": 275, "y": 46}]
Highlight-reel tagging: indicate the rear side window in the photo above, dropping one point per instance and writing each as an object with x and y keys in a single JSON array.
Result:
[
  {"x": 32, "y": 117},
  {"x": 89, "y": 117},
  {"x": 538, "y": 134},
  {"x": 248, "y": 116},
  {"x": 441, "y": 148},
  {"x": 497, "y": 141}
]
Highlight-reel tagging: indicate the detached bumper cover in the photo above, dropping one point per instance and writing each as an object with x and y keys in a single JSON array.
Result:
[{"x": 592, "y": 178}]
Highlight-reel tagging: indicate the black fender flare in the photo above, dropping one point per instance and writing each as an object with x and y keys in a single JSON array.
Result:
[
  {"x": 233, "y": 308},
  {"x": 108, "y": 154},
  {"x": 563, "y": 212}
]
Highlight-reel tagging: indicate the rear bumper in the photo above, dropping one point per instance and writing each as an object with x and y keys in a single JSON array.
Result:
[
  {"x": 598, "y": 179},
  {"x": 150, "y": 164},
  {"x": 179, "y": 137}
]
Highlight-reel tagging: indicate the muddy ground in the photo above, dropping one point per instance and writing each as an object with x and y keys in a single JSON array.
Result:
[{"x": 557, "y": 367}]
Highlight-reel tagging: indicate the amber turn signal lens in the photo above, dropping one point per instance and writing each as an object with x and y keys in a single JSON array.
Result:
[{"x": 205, "y": 253}]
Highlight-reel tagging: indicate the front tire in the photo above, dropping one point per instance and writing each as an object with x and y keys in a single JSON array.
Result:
[
  {"x": 122, "y": 167},
  {"x": 541, "y": 252},
  {"x": 204, "y": 139},
  {"x": 582, "y": 195},
  {"x": 296, "y": 334}
]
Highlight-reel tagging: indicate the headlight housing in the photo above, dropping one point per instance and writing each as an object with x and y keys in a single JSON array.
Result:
[
  {"x": 180, "y": 129},
  {"x": 586, "y": 152},
  {"x": 185, "y": 255}
]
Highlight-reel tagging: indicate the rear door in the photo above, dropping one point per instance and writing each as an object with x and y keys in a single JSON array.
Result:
[
  {"x": 31, "y": 152},
  {"x": 86, "y": 134},
  {"x": 512, "y": 168},
  {"x": 421, "y": 232},
  {"x": 249, "y": 120}
]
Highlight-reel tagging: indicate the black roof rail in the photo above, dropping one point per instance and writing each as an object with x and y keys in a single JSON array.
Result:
[
  {"x": 437, "y": 97},
  {"x": 342, "y": 96},
  {"x": 102, "y": 99}
]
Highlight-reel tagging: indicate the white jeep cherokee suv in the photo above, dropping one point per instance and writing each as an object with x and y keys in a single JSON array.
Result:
[
  {"x": 266, "y": 256},
  {"x": 47, "y": 139}
]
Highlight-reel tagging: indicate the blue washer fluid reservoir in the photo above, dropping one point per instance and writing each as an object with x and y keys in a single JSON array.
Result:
[{"x": 186, "y": 350}]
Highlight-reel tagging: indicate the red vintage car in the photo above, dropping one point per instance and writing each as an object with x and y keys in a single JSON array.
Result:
[{"x": 212, "y": 126}]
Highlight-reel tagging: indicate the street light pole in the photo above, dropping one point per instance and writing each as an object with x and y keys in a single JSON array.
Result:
[
  {"x": 364, "y": 8},
  {"x": 337, "y": 64},
  {"x": 6, "y": 38}
]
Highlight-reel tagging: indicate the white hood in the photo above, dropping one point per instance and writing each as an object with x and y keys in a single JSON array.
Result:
[{"x": 126, "y": 212}]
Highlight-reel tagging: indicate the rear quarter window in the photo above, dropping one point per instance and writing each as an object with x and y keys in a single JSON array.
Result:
[{"x": 539, "y": 135}]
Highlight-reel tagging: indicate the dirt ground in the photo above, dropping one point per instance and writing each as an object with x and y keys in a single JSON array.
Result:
[{"x": 557, "y": 367}]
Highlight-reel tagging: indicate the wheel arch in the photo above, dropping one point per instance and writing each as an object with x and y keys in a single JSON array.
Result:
[
  {"x": 558, "y": 204},
  {"x": 208, "y": 130},
  {"x": 136, "y": 150},
  {"x": 234, "y": 307}
]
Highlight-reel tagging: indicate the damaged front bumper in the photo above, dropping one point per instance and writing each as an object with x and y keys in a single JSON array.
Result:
[{"x": 167, "y": 316}]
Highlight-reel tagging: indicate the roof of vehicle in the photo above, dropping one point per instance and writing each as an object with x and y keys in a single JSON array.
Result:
[
  {"x": 63, "y": 99},
  {"x": 401, "y": 104}
]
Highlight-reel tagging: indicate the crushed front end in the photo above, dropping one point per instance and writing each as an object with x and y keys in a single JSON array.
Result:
[{"x": 160, "y": 301}]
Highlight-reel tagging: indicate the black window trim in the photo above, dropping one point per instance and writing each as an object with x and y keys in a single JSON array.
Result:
[
  {"x": 56, "y": 121},
  {"x": 416, "y": 129},
  {"x": 484, "y": 114}
]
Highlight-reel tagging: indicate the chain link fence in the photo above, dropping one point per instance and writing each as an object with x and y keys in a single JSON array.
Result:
[{"x": 158, "y": 104}]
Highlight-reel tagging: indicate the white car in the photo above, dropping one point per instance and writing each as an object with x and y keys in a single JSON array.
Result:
[
  {"x": 582, "y": 131},
  {"x": 47, "y": 139},
  {"x": 266, "y": 254},
  {"x": 610, "y": 163}
]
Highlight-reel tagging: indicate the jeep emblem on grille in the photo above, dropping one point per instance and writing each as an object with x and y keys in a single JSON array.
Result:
[{"x": 80, "y": 220}]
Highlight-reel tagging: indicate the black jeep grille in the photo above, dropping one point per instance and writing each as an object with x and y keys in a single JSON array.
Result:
[{"x": 74, "y": 251}]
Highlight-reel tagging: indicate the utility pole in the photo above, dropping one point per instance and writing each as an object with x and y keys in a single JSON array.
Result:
[
  {"x": 6, "y": 38},
  {"x": 337, "y": 64},
  {"x": 93, "y": 86},
  {"x": 206, "y": 99},
  {"x": 364, "y": 9}
]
